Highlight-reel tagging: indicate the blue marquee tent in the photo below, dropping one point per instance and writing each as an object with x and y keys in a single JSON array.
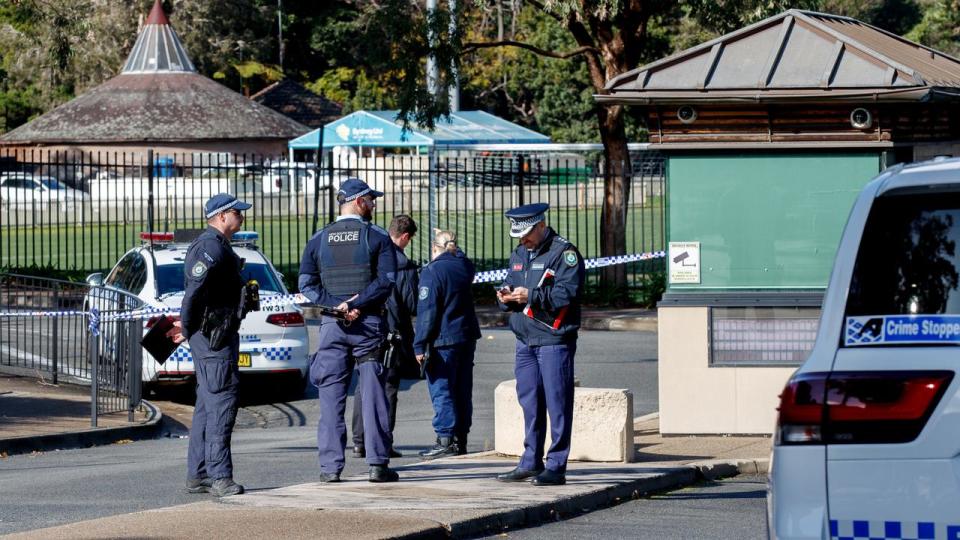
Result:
[{"x": 381, "y": 129}]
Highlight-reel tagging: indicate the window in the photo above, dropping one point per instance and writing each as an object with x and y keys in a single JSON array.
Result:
[
  {"x": 908, "y": 261},
  {"x": 120, "y": 273},
  {"x": 170, "y": 277},
  {"x": 768, "y": 336}
]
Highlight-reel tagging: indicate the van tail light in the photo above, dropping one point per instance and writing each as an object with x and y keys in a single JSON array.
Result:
[
  {"x": 858, "y": 407},
  {"x": 286, "y": 319},
  {"x": 153, "y": 320}
]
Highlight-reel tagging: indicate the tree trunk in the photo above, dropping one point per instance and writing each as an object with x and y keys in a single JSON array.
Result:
[{"x": 617, "y": 175}]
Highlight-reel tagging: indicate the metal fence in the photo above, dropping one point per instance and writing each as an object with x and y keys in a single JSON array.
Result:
[
  {"x": 44, "y": 333},
  {"x": 83, "y": 211}
]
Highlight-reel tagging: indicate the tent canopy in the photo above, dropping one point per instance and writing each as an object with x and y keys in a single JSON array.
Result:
[{"x": 381, "y": 128}]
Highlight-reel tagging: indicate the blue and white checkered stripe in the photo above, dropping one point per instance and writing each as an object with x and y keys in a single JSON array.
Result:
[
  {"x": 844, "y": 529},
  {"x": 271, "y": 354},
  {"x": 491, "y": 276}
]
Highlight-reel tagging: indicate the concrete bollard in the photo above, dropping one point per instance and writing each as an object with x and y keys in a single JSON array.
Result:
[{"x": 602, "y": 423}]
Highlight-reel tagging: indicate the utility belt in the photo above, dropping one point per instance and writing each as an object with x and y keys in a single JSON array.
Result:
[
  {"x": 385, "y": 352},
  {"x": 221, "y": 323}
]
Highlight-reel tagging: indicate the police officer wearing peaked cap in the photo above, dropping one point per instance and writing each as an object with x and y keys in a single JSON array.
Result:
[
  {"x": 350, "y": 265},
  {"x": 212, "y": 291},
  {"x": 543, "y": 291}
]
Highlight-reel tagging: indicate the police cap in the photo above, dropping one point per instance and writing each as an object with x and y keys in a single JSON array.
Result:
[
  {"x": 351, "y": 188},
  {"x": 523, "y": 218},
  {"x": 221, "y": 202}
]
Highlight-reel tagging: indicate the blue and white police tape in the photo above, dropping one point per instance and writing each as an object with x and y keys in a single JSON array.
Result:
[{"x": 491, "y": 276}]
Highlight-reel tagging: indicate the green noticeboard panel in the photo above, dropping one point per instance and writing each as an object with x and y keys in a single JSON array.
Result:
[{"x": 764, "y": 221}]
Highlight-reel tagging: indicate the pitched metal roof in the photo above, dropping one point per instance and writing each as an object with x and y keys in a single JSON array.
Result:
[
  {"x": 796, "y": 55},
  {"x": 292, "y": 99},
  {"x": 156, "y": 99},
  {"x": 158, "y": 49}
]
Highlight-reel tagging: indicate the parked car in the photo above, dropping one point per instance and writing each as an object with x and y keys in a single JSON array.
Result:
[
  {"x": 282, "y": 177},
  {"x": 25, "y": 189},
  {"x": 273, "y": 341},
  {"x": 866, "y": 441}
]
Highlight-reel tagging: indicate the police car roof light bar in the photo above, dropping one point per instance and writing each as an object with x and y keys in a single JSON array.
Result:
[
  {"x": 156, "y": 237},
  {"x": 246, "y": 237}
]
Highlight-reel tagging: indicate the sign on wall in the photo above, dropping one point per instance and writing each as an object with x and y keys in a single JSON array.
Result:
[{"x": 684, "y": 262}]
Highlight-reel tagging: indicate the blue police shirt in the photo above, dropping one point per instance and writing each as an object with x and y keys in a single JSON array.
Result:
[
  {"x": 383, "y": 262},
  {"x": 553, "y": 273},
  {"x": 445, "y": 311},
  {"x": 211, "y": 279}
]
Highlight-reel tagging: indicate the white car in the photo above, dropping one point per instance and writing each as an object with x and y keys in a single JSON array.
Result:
[
  {"x": 273, "y": 341},
  {"x": 25, "y": 189},
  {"x": 867, "y": 443}
]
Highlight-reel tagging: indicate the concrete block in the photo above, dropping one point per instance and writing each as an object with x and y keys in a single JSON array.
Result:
[{"x": 602, "y": 423}]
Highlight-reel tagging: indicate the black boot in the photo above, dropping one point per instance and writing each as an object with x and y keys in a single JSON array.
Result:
[
  {"x": 461, "y": 444},
  {"x": 445, "y": 447},
  {"x": 382, "y": 473}
]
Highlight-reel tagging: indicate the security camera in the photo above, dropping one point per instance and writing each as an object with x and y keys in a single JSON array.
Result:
[
  {"x": 686, "y": 114},
  {"x": 861, "y": 118}
]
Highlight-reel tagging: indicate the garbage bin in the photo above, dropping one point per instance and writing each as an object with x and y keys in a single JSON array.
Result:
[{"x": 163, "y": 167}]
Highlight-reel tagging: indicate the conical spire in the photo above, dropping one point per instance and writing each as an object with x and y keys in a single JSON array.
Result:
[{"x": 158, "y": 49}]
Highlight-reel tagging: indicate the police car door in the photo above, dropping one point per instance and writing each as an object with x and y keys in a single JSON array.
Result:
[{"x": 892, "y": 420}]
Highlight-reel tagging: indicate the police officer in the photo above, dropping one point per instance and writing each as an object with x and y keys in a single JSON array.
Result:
[
  {"x": 543, "y": 291},
  {"x": 350, "y": 265},
  {"x": 212, "y": 293},
  {"x": 447, "y": 333},
  {"x": 401, "y": 306}
]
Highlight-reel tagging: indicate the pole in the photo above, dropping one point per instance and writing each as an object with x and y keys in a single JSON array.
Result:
[
  {"x": 432, "y": 71},
  {"x": 280, "y": 32},
  {"x": 455, "y": 75}
]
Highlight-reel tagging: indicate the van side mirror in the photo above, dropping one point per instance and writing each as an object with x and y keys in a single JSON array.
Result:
[{"x": 95, "y": 279}]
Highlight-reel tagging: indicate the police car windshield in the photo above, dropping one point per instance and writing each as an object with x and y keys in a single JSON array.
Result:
[
  {"x": 170, "y": 277},
  {"x": 908, "y": 261}
]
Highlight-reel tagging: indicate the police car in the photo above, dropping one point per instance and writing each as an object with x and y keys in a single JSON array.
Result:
[
  {"x": 273, "y": 341},
  {"x": 867, "y": 443}
]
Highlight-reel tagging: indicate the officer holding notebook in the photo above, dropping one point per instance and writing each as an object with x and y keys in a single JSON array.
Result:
[{"x": 543, "y": 291}]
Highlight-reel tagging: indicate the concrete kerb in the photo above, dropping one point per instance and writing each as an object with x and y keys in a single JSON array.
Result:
[{"x": 85, "y": 438}]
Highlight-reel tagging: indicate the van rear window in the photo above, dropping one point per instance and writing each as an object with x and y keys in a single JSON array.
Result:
[{"x": 908, "y": 260}]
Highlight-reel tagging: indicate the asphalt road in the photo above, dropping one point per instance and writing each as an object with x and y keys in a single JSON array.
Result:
[
  {"x": 275, "y": 443},
  {"x": 731, "y": 508}
]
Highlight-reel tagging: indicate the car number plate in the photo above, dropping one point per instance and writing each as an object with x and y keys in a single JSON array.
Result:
[{"x": 245, "y": 360}]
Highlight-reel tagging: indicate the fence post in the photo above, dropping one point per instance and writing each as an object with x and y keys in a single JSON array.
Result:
[
  {"x": 134, "y": 366},
  {"x": 150, "y": 190},
  {"x": 55, "y": 356},
  {"x": 520, "y": 164},
  {"x": 94, "y": 378}
]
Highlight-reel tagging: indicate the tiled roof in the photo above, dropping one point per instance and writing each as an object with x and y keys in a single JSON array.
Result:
[{"x": 295, "y": 101}]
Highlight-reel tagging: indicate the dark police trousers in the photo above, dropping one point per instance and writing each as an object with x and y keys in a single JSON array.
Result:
[
  {"x": 545, "y": 385},
  {"x": 339, "y": 349},
  {"x": 392, "y": 388},
  {"x": 450, "y": 381},
  {"x": 218, "y": 380}
]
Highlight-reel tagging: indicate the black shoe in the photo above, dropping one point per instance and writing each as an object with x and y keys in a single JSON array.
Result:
[
  {"x": 382, "y": 473},
  {"x": 199, "y": 485},
  {"x": 359, "y": 451},
  {"x": 461, "y": 445},
  {"x": 517, "y": 475},
  {"x": 549, "y": 478},
  {"x": 445, "y": 447},
  {"x": 395, "y": 454},
  {"x": 329, "y": 477},
  {"x": 223, "y": 487}
]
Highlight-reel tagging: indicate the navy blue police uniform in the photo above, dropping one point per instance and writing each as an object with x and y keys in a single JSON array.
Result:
[
  {"x": 546, "y": 329},
  {"x": 447, "y": 329},
  {"x": 212, "y": 283},
  {"x": 350, "y": 257},
  {"x": 401, "y": 306}
]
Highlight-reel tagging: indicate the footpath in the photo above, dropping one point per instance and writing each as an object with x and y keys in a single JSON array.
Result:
[{"x": 456, "y": 497}]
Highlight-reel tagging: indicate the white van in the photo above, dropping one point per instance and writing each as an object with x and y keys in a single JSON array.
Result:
[{"x": 867, "y": 443}]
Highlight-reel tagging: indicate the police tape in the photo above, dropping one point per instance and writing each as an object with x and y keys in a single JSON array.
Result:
[
  {"x": 490, "y": 276},
  {"x": 96, "y": 316}
]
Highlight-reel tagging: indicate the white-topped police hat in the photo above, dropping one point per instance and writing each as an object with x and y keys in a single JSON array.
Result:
[
  {"x": 221, "y": 202},
  {"x": 351, "y": 188},
  {"x": 523, "y": 218}
]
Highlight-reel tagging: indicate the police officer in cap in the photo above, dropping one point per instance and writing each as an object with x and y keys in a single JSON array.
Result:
[
  {"x": 543, "y": 291},
  {"x": 212, "y": 295},
  {"x": 350, "y": 265}
]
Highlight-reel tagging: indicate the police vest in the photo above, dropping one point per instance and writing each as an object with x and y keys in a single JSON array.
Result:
[{"x": 346, "y": 268}]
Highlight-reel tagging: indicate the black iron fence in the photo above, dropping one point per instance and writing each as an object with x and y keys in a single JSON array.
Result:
[
  {"x": 83, "y": 211},
  {"x": 44, "y": 332}
]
